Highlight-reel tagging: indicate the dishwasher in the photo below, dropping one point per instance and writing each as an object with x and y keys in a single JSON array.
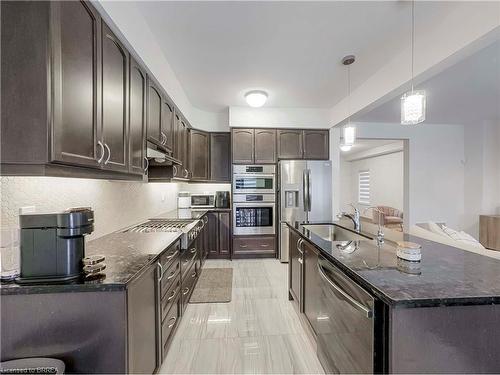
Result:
[{"x": 344, "y": 324}]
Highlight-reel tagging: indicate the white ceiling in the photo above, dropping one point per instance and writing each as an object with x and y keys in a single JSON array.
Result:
[
  {"x": 363, "y": 145},
  {"x": 219, "y": 50},
  {"x": 465, "y": 93}
]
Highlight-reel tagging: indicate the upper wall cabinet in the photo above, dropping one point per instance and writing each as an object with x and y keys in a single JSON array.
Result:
[
  {"x": 290, "y": 144},
  {"x": 243, "y": 146},
  {"x": 137, "y": 121},
  {"x": 167, "y": 124},
  {"x": 65, "y": 87},
  {"x": 265, "y": 146},
  {"x": 254, "y": 146},
  {"x": 155, "y": 99},
  {"x": 76, "y": 78},
  {"x": 220, "y": 157},
  {"x": 303, "y": 144},
  {"x": 200, "y": 163},
  {"x": 115, "y": 68}
]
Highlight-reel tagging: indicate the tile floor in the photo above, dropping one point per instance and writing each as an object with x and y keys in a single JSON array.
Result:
[{"x": 259, "y": 331}]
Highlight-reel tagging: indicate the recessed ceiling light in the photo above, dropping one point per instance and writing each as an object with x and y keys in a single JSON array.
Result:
[{"x": 256, "y": 98}]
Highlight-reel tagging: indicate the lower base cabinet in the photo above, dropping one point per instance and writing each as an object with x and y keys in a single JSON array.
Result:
[
  {"x": 254, "y": 246},
  {"x": 219, "y": 234}
]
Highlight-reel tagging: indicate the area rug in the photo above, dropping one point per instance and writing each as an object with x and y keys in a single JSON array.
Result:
[{"x": 214, "y": 286}]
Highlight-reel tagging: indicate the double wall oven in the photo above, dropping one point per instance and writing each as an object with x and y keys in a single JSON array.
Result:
[{"x": 254, "y": 199}]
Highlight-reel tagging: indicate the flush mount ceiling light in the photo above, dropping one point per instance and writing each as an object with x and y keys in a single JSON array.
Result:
[
  {"x": 348, "y": 131},
  {"x": 256, "y": 98},
  {"x": 413, "y": 102}
]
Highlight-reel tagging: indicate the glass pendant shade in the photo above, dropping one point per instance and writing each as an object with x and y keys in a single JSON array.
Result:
[
  {"x": 349, "y": 135},
  {"x": 413, "y": 107},
  {"x": 345, "y": 148}
]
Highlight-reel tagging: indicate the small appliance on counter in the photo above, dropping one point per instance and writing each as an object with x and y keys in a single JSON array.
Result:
[
  {"x": 53, "y": 245},
  {"x": 183, "y": 199},
  {"x": 222, "y": 199},
  {"x": 202, "y": 200}
]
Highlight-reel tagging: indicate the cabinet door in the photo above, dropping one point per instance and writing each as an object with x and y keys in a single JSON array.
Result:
[
  {"x": 312, "y": 289},
  {"x": 265, "y": 146},
  {"x": 143, "y": 336},
  {"x": 76, "y": 41},
  {"x": 220, "y": 157},
  {"x": 167, "y": 124},
  {"x": 213, "y": 231},
  {"x": 114, "y": 100},
  {"x": 177, "y": 147},
  {"x": 187, "y": 150},
  {"x": 316, "y": 144},
  {"x": 137, "y": 120},
  {"x": 295, "y": 269},
  {"x": 290, "y": 144},
  {"x": 243, "y": 146},
  {"x": 225, "y": 233},
  {"x": 199, "y": 155},
  {"x": 154, "y": 111}
]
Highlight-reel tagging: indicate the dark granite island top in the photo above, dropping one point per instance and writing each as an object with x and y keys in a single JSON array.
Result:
[
  {"x": 127, "y": 255},
  {"x": 445, "y": 276}
]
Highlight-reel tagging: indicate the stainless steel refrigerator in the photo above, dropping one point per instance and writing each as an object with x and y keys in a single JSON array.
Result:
[{"x": 305, "y": 194}]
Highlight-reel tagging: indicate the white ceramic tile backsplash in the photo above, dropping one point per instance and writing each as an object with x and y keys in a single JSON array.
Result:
[{"x": 116, "y": 204}]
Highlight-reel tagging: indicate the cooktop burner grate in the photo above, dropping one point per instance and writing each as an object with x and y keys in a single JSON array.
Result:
[{"x": 160, "y": 225}]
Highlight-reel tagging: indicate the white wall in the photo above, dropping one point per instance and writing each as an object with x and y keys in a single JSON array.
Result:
[
  {"x": 435, "y": 169},
  {"x": 386, "y": 182},
  {"x": 279, "y": 117}
]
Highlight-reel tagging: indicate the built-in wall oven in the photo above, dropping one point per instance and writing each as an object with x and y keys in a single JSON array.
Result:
[
  {"x": 254, "y": 214},
  {"x": 254, "y": 179}
]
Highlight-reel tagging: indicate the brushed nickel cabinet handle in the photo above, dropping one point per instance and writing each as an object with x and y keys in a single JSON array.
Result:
[
  {"x": 102, "y": 152},
  {"x": 264, "y": 245},
  {"x": 243, "y": 246},
  {"x": 171, "y": 295},
  {"x": 174, "y": 170},
  {"x": 174, "y": 319},
  {"x": 185, "y": 291},
  {"x": 193, "y": 250},
  {"x": 161, "y": 271},
  {"x": 109, "y": 153},
  {"x": 172, "y": 255},
  {"x": 147, "y": 165},
  {"x": 171, "y": 276}
]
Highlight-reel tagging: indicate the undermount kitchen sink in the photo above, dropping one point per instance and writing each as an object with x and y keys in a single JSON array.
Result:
[{"x": 333, "y": 232}]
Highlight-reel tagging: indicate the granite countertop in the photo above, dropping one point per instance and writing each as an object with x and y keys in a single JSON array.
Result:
[
  {"x": 445, "y": 275},
  {"x": 127, "y": 255}
]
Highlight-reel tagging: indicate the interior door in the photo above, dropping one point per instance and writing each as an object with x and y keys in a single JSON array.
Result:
[{"x": 114, "y": 100}]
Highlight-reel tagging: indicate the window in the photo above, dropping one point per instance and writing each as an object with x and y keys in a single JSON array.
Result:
[{"x": 364, "y": 187}]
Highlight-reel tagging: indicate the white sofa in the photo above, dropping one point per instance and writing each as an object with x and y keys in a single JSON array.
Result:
[{"x": 423, "y": 231}]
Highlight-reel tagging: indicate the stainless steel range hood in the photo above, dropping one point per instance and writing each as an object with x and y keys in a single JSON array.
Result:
[{"x": 159, "y": 156}]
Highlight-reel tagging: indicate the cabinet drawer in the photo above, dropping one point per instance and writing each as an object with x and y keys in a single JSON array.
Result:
[
  {"x": 170, "y": 296},
  {"x": 254, "y": 245},
  {"x": 170, "y": 255},
  {"x": 169, "y": 325},
  {"x": 169, "y": 276},
  {"x": 188, "y": 257},
  {"x": 188, "y": 284}
]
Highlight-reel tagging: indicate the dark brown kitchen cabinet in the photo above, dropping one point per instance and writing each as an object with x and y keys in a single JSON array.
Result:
[
  {"x": 167, "y": 124},
  {"x": 295, "y": 269},
  {"x": 252, "y": 246},
  {"x": 142, "y": 305},
  {"x": 316, "y": 144},
  {"x": 137, "y": 117},
  {"x": 115, "y": 64},
  {"x": 219, "y": 232},
  {"x": 199, "y": 153},
  {"x": 265, "y": 146},
  {"x": 303, "y": 144},
  {"x": 243, "y": 146},
  {"x": 220, "y": 157},
  {"x": 154, "y": 111},
  {"x": 76, "y": 55},
  {"x": 312, "y": 282},
  {"x": 290, "y": 144}
]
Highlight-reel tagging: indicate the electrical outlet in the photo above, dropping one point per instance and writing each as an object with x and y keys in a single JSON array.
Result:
[{"x": 27, "y": 210}]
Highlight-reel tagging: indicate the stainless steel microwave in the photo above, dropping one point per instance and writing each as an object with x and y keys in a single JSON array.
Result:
[{"x": 259, "y": 179}]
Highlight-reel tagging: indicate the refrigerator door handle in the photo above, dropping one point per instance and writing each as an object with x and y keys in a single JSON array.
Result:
[
  {"x": 304, "y": 189},
  {"x": 309, "y": 194}
]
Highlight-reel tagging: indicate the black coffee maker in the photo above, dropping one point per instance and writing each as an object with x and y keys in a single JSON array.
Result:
[
  {"x": 222, "y": 199},
  {"x": 53, "y": 245}
]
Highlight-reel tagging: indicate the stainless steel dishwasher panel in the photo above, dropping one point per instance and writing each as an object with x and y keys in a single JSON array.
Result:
[{"x": 345, "y": 323}]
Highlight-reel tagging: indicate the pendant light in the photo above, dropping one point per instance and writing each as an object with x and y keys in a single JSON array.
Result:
[
  {"x": 413, "y": 102},
  {"x": 349, "y": 130}
]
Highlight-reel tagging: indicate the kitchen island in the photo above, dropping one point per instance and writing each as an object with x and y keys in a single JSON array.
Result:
[
  {"x": 120, "y": 322},
  {"x": 437, "y": 315}
]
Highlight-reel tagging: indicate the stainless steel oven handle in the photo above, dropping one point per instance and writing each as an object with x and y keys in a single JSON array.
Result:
[{"x": 358, "y": 306}]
